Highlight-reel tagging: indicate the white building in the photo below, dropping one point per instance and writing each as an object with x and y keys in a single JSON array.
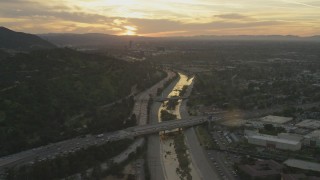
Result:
[
  {"x": 300, "y": 164},
  {"x": 291, "y": 136},
  {"x": 309, "y": 124},
  {"x": 312, "y": 139},
  {"x": 276, "y": 119},
  {"x": 285, "y": 142}
]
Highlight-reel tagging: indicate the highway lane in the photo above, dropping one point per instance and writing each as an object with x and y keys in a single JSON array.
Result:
[
  {"x": 154, "y": 153},
  {"x": 141, "y": 100},
  {"x": 222, "y": 165},
  {"x": 139, "y": 168}
]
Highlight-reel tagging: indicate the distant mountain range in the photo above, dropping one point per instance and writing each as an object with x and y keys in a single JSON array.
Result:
[
  {"x": 96, "y": 39},
  {"x": 253, "y": 37},
  {"x": 19, "y": 41},
  {"x": 90, "y": 39}
]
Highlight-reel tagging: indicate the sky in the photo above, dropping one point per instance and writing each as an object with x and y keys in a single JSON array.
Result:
[{"x": 163, "y": 17}]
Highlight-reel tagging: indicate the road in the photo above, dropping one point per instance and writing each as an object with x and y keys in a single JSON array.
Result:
[
  {"x": 68, "y": 146},
  {"x": 222, "y": 165},
  {"x": 139, "y": 168},
  {"x": 198, "y": 155},
  {"x": 141, "y": 100}
]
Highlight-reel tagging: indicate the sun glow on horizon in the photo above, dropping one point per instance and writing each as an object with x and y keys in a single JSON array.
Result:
[{"x": 130, "y": 30}]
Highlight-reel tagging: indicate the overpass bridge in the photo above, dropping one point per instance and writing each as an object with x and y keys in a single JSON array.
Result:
[
  {"x": 166, "y": 125},
  {"x": 161, "y": 99},
  {"x": 54, "y": 150}
]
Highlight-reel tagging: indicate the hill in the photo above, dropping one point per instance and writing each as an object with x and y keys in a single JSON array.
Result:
[
  {"x": 51, "y": 95},
  {"x": 21, "y": 41},
  {"x": 3, "y": 54}
]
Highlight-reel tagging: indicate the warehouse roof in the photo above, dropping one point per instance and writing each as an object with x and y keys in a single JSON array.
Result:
[
  {"x": 313, "y": 134},
  {"x": 306, "y": 165},
  {"x": 309, "y": 123},
  {"x": 262, "y": 168},
  {"x": 275, "y": 139},
  {"x": 276, "y": 119}
]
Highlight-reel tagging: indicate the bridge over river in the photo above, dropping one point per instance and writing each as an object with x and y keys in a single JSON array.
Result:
[{"x": 51, "y": 151}]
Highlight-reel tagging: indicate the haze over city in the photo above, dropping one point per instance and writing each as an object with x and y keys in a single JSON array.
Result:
[
  {"x": 163, "y": 17},
  {"x": 159, "y": 90}
]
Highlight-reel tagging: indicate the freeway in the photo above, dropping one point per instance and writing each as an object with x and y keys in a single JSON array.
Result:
[
  {"x": 141, "y": 100},
  {"x": 68, "y": 146}
]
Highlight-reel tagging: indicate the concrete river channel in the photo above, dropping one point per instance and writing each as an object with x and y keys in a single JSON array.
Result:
[{"x": 168, "y": 156}]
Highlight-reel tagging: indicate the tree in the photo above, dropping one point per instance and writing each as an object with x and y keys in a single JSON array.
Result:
[{"x": 269, "y": 127}]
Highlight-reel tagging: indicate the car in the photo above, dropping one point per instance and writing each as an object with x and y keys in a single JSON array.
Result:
[{"x": 99, "y": 135}]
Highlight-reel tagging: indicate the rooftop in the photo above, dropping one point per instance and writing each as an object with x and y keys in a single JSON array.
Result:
[
  {"x": 306, "y": 165},
  {"x": 262, "y": 168},
  {"x": 276, "y": 119},
  {"x": 293, "y": 176},
  {"x": 309, "y": 123},
  {"x": 314, "y": 134},
  {"x": 275, "y": 139},
  {"x": 298, "y": 177}
]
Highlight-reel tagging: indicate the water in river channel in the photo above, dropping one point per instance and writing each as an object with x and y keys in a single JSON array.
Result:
[{"x": 168, "y": 156}]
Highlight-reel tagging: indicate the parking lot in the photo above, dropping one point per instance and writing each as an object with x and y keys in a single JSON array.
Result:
[
  {"x": 223, "y": 163},
  {"x": 221, "y": 160}
]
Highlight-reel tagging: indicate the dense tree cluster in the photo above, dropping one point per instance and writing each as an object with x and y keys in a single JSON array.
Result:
[
  {"x": 183, "y": 157},
  {"x": 166, "y": 116},
  {"x": 70, "y": 164},
  {"x": 271, "y": 130},
  {"x": 172, "y": 103},
  {"x": 256, "y": 86}
]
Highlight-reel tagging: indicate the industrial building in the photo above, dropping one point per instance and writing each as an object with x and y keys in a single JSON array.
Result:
[
  {"x": 291, "y": 136},
  {"x": 312, "y": 139},
  {"x": 299, "y": 176},
  {"x": 309, "y": 124},
  {"x": 305, "y": 165},
  {"x": 267, "y": 169},
  {"x": 276, "y": 119},
  {"x": 285, "y": 142}
]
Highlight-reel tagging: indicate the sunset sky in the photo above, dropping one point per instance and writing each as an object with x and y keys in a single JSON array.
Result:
[{"x": 163, "y": 17}]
